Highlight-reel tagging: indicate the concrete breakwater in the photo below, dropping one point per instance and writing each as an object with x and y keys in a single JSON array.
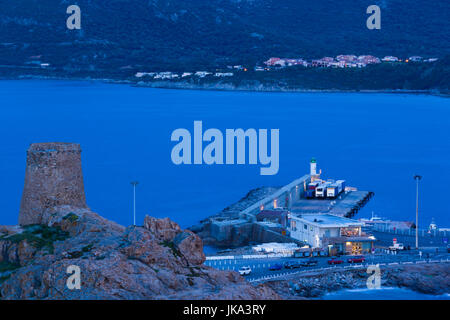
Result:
[
  {"x": 230, "y": 228},
  {"x": 238, "y": 224}
]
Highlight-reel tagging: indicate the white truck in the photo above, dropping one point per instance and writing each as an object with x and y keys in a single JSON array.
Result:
[
  {"x": 397, "y": 247},
  {"x": 321, "y": 190}
]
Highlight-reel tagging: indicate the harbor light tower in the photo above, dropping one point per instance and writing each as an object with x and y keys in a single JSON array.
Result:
[
  {"x": 313, "y": 167},
  {"x": 313, "y": 170}
]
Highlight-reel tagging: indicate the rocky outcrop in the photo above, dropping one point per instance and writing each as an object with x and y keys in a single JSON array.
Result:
[
  {"x": 163, "y": 229},
  {"x": 156, "y": 261},
  {"x": 53, "y": 178},
  {"x": 424, "y": 278},
  {"x": 191, "y": 246}
]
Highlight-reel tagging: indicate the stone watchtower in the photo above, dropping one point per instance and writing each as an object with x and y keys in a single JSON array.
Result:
[{"x": 53, "y": 178}]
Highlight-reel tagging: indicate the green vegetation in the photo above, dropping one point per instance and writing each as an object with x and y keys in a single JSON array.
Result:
[
  {"x": 177, "y": 35},
  {"x": 72, "y": 217},
  {"x": 169, "y": 244},
  {"x": 154, "y": 269},
  {"x": 193, "y": 272},
  {"x": 39, "y": 236},
  {"x": 4, "y": 278},
  {"x": 87, "y": 248},
  {"x": 8, "y": 266},
  {"x": 75, "y": 254}
]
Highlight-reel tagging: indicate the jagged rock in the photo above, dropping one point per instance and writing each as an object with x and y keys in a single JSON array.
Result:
[
  {"x": 191, "y": 246},
  {"x": 163, "y": 229},
  {"x": 424, "y": 278},
  {"x": 156, "y": 261},
  {"x": 124, "y": 263}
]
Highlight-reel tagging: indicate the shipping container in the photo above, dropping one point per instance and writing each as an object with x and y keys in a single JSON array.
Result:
[
  {"x": 313, "y": 185},
  {"x": 332, "y": 191},
  {"x": 321, "y": 190},
  {"x": 309, "y": 194},
  {"x": 341, "y": 186},
  {"x": 310, "y": 191}
]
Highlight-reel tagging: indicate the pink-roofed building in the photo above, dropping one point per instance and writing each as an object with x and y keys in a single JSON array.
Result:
[
  {"x": 272, "y": 61},
  {"x": 347, "y": 58},
  {"x": 390, "y": 59},
  {"x": 368, "y": 59},
  {"x": 324, "y": 62}
]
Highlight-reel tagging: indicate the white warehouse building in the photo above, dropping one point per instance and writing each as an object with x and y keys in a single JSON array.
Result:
[{"x": 327, "y": 230}]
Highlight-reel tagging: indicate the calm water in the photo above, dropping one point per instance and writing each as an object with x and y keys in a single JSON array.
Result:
[
  {"x": 382, "y": 294},
  {"x": 376, "y": 142}
]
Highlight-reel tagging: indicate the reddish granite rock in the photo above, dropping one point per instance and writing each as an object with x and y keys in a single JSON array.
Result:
[
  {"x": 156, "y": 261},
  {"x": 191, "y": 246},
  {"x": 162, "y": 229},
  {"x": 122, "y": 263}
]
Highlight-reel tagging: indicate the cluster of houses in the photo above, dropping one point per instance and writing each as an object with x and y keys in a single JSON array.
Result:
[
  {"x": 341, "y": 61},
  {"x": 174, "y": 75}
]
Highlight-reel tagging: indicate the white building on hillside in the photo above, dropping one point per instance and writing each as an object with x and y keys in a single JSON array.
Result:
[{"x": 390, "y": 59}]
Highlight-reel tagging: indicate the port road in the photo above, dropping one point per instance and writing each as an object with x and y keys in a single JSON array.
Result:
[{"x": 260, "y": 266}]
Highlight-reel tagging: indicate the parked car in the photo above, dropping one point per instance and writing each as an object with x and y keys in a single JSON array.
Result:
[
  {"x": 309, "y": 263},
  {"x": 335, "y": 260},
  {"x": 356, "y": 259},
  {"x": 276, "y": 267},
  {"x": 291, "y": 265},
  {"x": 245, "y": 271}
]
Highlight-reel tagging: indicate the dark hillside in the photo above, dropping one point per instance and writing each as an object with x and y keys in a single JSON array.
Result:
[{"x": 168, "y": 34}]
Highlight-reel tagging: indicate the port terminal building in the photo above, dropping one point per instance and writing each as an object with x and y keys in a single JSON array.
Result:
[
  {"x": 339, "y": 235},
  {"x": 270, "y": 218}
]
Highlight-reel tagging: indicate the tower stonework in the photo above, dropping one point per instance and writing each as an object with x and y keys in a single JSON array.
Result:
[{"x": 53, "y": 177}]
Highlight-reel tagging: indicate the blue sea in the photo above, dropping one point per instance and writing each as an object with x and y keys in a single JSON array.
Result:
[
  {"x": 376, "y": 142},
  {"x": 382, "y": 294}
]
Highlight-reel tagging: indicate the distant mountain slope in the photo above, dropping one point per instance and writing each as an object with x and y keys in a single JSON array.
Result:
[{"x": 172, "y": 33}]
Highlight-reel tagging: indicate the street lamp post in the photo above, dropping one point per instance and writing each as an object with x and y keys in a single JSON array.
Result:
[
  {"x": 134, "y": 184},
  {"x": 417, "y": 178}
]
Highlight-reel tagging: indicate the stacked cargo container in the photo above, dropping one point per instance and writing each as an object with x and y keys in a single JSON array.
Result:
[
  {"x": 310, "y": 191},
  {"x": 335, "y": 189},
  {"x": 321, "y": 190}
]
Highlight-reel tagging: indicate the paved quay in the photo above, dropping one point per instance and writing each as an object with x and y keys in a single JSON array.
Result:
[{"x": 346, "y": 205}]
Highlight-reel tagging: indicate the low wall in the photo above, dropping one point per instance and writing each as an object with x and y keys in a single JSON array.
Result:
[
  {"x": 425, "y": 240},
  {"x": 245, "y": 233},
  {"x": 293, "y": 191}
]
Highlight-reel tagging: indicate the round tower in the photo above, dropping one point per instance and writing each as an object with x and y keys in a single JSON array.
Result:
[{"x": 53, "y": 177}]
